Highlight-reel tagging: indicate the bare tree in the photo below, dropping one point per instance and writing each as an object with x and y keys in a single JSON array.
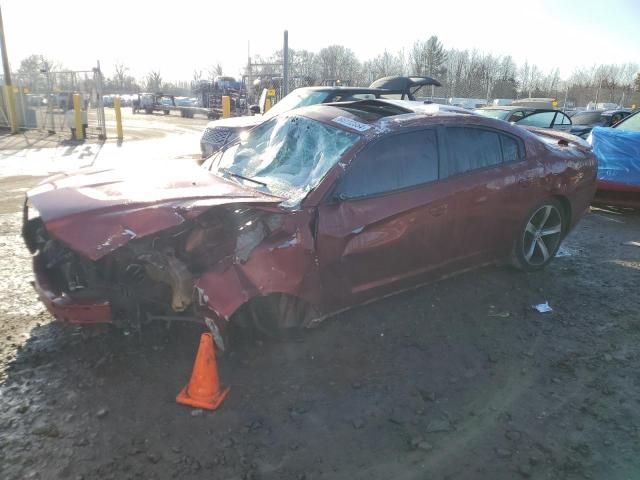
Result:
[
  {"x": 337, "y": 62},
  {"x": 154, "y": 81},
  {"x": 120, "y": 75}
]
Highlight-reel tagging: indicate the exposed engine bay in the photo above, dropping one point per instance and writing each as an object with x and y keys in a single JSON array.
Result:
[{"x": 152, "y": 278}]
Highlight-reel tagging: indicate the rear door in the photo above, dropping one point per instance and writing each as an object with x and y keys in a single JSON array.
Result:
[
  {"x": 487, "y": 171},
  {"x": 388, "y": 221}
]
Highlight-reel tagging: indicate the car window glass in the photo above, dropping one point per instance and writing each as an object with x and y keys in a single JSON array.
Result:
[
  {"x": 561, "y": 119},
  {"x": 362, "y": 96},
  {"x": 542, "y": 119},
  {"x": 393, "y": 163},
  {"x": 516, "y": 116},
  {"x": 631, "y": 123},
  {"x": 472, "y": 148},
  {"x": 510, "y": 149}
]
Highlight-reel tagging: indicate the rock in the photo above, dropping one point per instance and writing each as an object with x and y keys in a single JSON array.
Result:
[
  {"x": 153, "y": 457},
  {"x": 428, "y": 396},
  {"x": 533, "y": 460},
  {"x": 198, "y": 412},
  {"x": 356, "y": 385},
  {"x": 22, "y": 408},
  {"x": 358, "y": 423},
  {"x": 81, "y": 442},
  {"x": 504, "y": 452},
  {"x": 607, "y": 357},
  {"x": 607, "y": 442},
  {"x": 513, "y": 435},
  {"x": 103, "y": 412},
  {"x": 425, "y": 446},
  {"x": 524, "y": 470},
  {"x": 439, "y": 425},
  {"x": 228, "y": 442},
  {"x": 48, "y": 430}
]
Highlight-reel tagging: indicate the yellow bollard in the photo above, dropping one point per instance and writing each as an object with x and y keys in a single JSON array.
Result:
[
  {"x": 10, "y": 97},
  {"x": 267, "y": 104},
  {"x": 116, "y": 107},
  {"x": 78, "y": 116},
  {"x": 226, "y": 106}
]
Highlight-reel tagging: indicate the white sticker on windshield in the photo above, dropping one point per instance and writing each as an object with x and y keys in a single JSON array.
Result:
[{"x": 353, "y": 124}]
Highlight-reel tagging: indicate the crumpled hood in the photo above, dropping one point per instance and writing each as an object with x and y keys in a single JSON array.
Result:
[
  {"x": 237, "y": 122},
  {"x": 96, "y": 211}
]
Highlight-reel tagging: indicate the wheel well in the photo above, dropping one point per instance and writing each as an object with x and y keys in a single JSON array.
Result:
[
  {"x": 566, "y": 207},
  {"x": 268, "y": 305}
]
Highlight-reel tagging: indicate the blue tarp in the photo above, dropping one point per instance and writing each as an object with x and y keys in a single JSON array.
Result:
[{"x": 618, "y": 154}]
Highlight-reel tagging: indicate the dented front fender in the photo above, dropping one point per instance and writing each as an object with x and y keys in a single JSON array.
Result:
[{"x": 284, "y": 262}]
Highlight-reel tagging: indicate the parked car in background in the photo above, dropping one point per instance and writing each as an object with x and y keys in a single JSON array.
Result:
[
  {"x": 315, "y": 210},
  {"x": 618, "y": 152},
  {"x": 221, "y": 132},
  {"x": 541, "y": 103},
  {"x": 528, "y": 116},
  {"x": 583, "y": 122}
]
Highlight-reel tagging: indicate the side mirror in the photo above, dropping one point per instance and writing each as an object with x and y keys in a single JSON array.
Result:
[{"x": 254, "y": 109}]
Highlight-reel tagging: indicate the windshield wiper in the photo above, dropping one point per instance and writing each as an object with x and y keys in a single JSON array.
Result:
[{"x": 237, "y": 175}]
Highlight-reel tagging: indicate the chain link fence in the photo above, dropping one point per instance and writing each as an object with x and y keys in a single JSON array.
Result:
[{"x": 44, "y": 101}]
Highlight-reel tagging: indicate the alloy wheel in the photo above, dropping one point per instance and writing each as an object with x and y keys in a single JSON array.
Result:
[{"x": 542, "y": 235}]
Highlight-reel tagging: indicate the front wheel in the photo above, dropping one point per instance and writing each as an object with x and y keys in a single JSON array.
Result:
[{"x": 540, "y": 236}]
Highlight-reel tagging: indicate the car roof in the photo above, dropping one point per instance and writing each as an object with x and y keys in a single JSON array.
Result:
[
  {"x": 380, "y": 114},
  {"x": 508, "y": 108},
  {"x": 345, "y": 89},
  {"x": 616, "y": 110}
]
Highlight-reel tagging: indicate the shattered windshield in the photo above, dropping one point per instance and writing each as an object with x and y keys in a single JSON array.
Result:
[{"x": 286, "y": 156}]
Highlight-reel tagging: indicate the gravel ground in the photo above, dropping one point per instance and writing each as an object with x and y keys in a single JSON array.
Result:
[{"x": 457, "y": 380}]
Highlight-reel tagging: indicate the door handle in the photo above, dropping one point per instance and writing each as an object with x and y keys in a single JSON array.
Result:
[
  {"x": 438, "y": 210},
  {"x": 524, "y": 182}
]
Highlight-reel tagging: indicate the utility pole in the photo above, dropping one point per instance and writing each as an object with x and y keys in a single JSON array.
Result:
[
  {"x": 285, "y": 64},
  {"x": 7, "y": 81}
]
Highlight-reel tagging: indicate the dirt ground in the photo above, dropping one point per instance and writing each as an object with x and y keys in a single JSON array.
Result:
[{"x": 458, "y": 380}]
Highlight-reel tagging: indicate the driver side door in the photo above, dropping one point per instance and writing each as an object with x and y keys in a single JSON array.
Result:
[{"x": 388, "y": 222}]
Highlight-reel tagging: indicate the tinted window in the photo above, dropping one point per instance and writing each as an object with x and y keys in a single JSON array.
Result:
[
  {"x": 510, "y": 149},
  {"x": 542, "y": 119},
  {"x": 472, "y": 148},
  {"x": 393, "y": 163}
]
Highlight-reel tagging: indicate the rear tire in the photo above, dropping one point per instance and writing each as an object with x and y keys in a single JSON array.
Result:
[{"x": 539, "y": 236}]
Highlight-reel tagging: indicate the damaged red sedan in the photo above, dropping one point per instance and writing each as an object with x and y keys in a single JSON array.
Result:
[{"x": 310, "y": 213}]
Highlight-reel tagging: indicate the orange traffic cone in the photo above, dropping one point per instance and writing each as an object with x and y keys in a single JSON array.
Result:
[{"x": 203, "y": 390}]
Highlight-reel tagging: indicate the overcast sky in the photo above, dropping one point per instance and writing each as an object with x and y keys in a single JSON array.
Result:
[{"x": 179, "y": 37}]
